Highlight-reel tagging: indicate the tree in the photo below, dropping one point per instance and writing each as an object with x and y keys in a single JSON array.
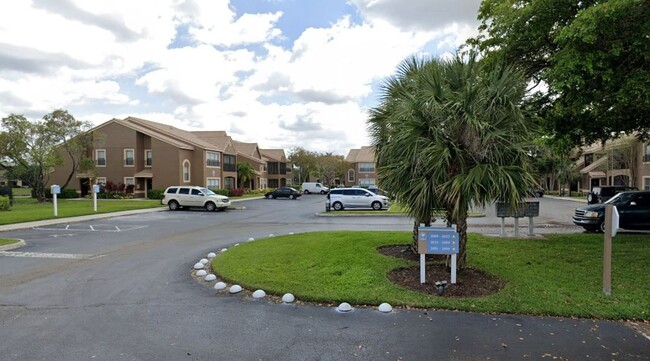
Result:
[
  {"x": 245, "y": 173},
  {"x": 305, "y": 162},
  {"x": 452, "y": 134},
  {"x": 73, "y": 138},
  {"x": 30, "y": 147},
  {"x": 329, "y": 167},
  {"x": 592, "y": 55}
]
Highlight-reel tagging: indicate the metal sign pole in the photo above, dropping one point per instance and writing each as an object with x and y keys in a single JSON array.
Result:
[{"x": 422, "y": 269}]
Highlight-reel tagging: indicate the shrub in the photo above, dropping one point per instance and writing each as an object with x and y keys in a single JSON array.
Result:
[
  {"x": 236, "y": 192},
  {"x": 5, "y": 204},
  {"x": 68, "y": 193},
  {"x": 223, "y": 192},
  {"x": 155, "y": 193},
  {"x": 8, "y": 192}
]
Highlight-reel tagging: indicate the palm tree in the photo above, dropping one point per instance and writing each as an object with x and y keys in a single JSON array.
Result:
[
  {"x": 245, "y": 173},
  {"x": 450, "y": 134}
]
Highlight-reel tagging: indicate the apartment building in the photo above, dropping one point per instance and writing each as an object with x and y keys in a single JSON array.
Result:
[
  {"x": 624, "y": 161},
  {"x": 278, "y": 170},
  {"x": 150, "y": 155},
  {"x": 362, "y": 171}
]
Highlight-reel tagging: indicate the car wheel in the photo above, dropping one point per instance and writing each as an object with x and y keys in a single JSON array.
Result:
[
  {"x": 272, "y": 196},
  {"x": 291, "y": 196},
  {"x": 590, "y": 198},
  {"x": 591, "y": 229},
  {"x": 306, "y": 191},
  {"x": 173, "y": 205},
  {"x": 338, "y": 206},
  {"x": 601, "y": 227},
  {"x": 376, "y": 206},
  {"x": 210, "y": 207},
  {"x": 322, "y": 192},
  {"x": 268, "y": 196}
]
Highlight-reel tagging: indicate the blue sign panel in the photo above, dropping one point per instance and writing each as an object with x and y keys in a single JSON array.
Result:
[{"x": 439, "y": 240}]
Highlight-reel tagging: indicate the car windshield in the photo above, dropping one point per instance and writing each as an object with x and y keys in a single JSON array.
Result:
[
  {"x": 620, "y": 198},
  {"x": 207, "y": 192}
]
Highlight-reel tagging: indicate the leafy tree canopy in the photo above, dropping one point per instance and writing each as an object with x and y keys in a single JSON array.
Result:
[{"x": 593, "y": 56}]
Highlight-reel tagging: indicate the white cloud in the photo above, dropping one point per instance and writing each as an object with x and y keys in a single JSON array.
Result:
[{"x": 198, "y": 64}]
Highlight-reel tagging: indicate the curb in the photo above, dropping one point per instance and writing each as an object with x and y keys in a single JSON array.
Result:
[{"x": 11, "y": 246}]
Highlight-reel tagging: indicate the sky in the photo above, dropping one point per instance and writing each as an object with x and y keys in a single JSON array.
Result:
[{"x": 281, "y": 73}]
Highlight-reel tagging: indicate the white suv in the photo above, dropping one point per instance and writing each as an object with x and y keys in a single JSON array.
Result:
[
  {"x": 341, "y": 198},
  {"x": 191, "y": 196}
]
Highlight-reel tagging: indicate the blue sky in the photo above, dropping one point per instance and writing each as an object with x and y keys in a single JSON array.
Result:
[{"x": 282, "y": 73}]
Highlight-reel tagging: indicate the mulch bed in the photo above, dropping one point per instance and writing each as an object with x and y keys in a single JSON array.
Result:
[{"x": 470, "y": 282}]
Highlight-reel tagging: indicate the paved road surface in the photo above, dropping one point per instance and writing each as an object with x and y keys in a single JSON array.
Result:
[{"x": 120, "y": 289}]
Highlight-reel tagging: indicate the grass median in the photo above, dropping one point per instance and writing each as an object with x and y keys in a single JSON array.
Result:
[
  {"x": 558, "y": 275},
  {"x": 6, "y": 242},
  {"x": 28, "y": 209}
]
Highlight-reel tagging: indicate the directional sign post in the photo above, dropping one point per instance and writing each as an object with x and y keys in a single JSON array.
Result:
[{"x": 438, "y": 240}]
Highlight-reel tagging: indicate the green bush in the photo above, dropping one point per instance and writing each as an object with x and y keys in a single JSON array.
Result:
[
  {"x": 223, "y": 192},
  {"x": 69, "y": 193},
  {"x": 5, "y": 205},
  {"x": 155, "y": 193}
]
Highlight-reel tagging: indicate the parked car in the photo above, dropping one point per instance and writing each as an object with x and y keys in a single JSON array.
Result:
[
  {"x": 314, "y": 187},
  {"x": 176, "y": 197},
  {"x": 341, "y": 198},
  {"x": 633, "y": 210},
  {"x": 283, "y": 192},
  {"x": 603, "y": 193}
]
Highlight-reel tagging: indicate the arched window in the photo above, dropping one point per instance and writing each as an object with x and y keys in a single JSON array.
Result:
[
  {"x": 351, "y": 175},
  {"x": 186, "y": 171}
]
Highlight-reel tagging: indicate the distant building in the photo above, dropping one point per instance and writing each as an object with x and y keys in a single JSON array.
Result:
[{"x": 362, "y": 171}]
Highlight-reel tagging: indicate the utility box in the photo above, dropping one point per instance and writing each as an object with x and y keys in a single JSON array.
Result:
[{"x": 55, "y": 189}]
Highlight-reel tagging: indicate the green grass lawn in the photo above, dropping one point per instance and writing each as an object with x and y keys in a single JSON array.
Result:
[
  {"x": 559, "y": 275},
  {"x": 28, "y": 209},
  {"x": 5, "y": 241}
]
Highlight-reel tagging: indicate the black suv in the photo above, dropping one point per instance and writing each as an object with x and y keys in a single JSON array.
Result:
[
  {"x": 603, "y": 193},
  {"x": 633, "y": 211}
]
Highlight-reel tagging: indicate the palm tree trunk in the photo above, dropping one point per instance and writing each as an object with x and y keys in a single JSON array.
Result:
[{"x": 461, "y": 225}]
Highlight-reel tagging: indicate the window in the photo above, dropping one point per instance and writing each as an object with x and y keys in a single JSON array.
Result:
[
  {"x": 186, "y": 171},
  {"x": 646, "y": 183},
  {"x": 589, "y": 158},
  {"x": 351, "y": 175},
  {"x": 283, "y": 168},
  {"x": 129, "y": 181},
  {"x": 229, "y": 182},
  {"x": 128, "y": 158},
  {"x": 646, "y": 154},
  {"x": 212, "y": 159},
  {"x": 273, "y": 168},
  {"x": 366, "y": 167},
  {"x": 196, "y": 192},
  {"x": 213, "y": 183},
  {"x": 100, "y": 157},
  {"x": 184, "y": 191},
  {"x": 101, "y": 181},
  {"x": 229, "y": 163},
  {"x": 148, "y": 157},
  {"x": 367, "y": 182},
  {"x": 263, "y": 183}
]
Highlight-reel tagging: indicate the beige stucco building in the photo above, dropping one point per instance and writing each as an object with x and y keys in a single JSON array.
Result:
[{"x": 150, "y": 155}]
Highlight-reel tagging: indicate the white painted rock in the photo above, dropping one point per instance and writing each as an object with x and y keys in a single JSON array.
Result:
[
  {"x": 236, "y": 244},
  {"x": 199, "y": 266},
  {"x": 219, "y": 286},
  {"x": 204, "y": 260},
  {"x": 344, "y": 307},
  {"x": 251, "y": 239},
  {"x": 259, "y": 294},
  {"x": 224, "y": 250},
  {"x": 235, "y": 289},
  {"x": 211, "y": 255},
  {"x": 385, "y": 308},
  {"x": 291, "y": 233},
  {"x": 271, "y": 235},
  {"x": 288, "y": 298},
  {"x": 209, "y": 278},
  {"x": 201, "y": 273}
]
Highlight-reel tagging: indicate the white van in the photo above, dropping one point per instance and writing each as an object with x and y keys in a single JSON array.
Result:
[
  {"x": 314, "y": 187},
  {"x": 342, "y": 198}
]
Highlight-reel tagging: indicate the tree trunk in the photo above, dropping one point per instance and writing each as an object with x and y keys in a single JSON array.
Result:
[{"x": 461, "y": 225}]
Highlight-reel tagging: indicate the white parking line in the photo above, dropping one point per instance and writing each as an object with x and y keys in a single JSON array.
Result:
[
  {"x": 90, "y": 228},
  {"x": 48, "y": 255}
]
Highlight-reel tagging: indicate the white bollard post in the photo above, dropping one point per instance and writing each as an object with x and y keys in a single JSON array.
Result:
[
  {"x": 453, "y": 268},
  {"x": 422, "y": 269},
  {"x": 56, "y": 210}
]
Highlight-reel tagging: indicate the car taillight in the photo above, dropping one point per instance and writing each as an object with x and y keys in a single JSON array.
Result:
[{"x": 163, "y": 197}]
